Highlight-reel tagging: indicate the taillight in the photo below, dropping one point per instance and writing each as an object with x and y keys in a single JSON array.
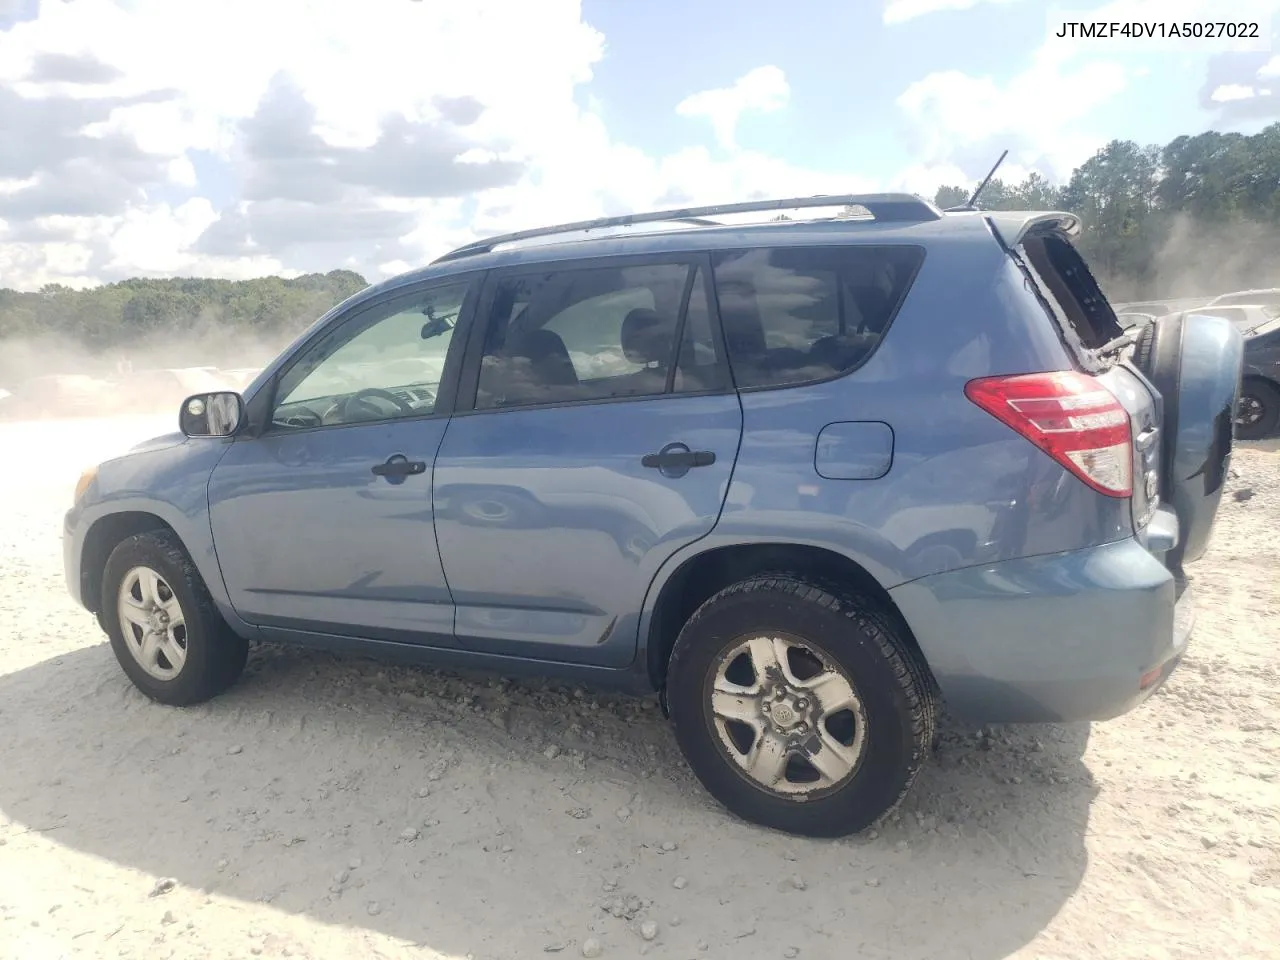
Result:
[{"x": 1070, "y": 416}]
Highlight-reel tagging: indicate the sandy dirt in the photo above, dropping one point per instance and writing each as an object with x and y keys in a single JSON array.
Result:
[{"x": 341, "y": 808}]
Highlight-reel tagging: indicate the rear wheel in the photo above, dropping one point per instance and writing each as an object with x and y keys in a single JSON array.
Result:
[
  {"x": 798, "y": 708},
  {"x": 1258, "y": 412},
  {"x": 163, "y": 627}
]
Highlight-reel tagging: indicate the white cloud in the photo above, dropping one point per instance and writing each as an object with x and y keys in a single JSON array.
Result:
[
  {"x": 1043, "y": 113},
  {"x": 324, "y": 139},
  {"x": 1270, "y": 69},
  {"x": 1232, "y": 91},
  {"x": 1039, "y": 114},
  {"x": 900, "y": 11},
  {"x": 763, "y": 90}
]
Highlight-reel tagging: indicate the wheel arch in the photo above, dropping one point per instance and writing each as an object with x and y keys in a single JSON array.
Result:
[
  {"x": 702, "y": 575},
  {"x": 103, "y": 536},
  {"x": 1255, "y": 375}
]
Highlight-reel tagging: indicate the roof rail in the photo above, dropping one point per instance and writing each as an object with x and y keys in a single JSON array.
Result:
[{"x": 886, "y": 207}]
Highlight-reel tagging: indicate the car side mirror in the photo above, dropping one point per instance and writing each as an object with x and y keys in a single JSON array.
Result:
[{"x": 217, "y": 414}]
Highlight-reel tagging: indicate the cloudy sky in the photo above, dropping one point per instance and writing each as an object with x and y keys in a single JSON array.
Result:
[{"x": 239, "y": 138}]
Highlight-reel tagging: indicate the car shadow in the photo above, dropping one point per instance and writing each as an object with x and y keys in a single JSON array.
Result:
[{"x": 484, "y": 818}]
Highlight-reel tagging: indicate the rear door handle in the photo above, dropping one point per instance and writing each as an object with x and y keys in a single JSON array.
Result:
[
  {"x": 676, "y": 459},
  {"x": 397, "y": 467}
]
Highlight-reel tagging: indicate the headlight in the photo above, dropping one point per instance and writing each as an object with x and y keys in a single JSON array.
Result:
[{"x": 82, "y": 484}]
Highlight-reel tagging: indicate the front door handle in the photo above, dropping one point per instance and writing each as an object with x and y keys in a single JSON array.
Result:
[
  {"x": 397, "y": 467},
  {"x": 676, "y": 459}
]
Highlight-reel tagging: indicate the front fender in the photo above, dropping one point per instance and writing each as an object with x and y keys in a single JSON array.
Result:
[{"x": 169, "y": 483}]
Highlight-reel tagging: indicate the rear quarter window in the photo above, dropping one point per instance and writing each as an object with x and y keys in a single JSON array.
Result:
[{"x": 800, "y": 314}]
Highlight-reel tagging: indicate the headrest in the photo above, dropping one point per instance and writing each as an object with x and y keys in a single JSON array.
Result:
[
  {"x": 646, "y": 337},
  {"x": 873, "y": 303},
  {"x": 542, "y": 344}
]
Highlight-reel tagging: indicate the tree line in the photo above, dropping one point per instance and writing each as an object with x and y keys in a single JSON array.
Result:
[
  {"x": 1197, "y": 216},
  {"x": 160, "y": 323}
]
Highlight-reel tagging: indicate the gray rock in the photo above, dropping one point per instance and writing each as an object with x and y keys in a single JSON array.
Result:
[
  {"x": 591, "y": 947},
  {"x": 162, "y": 887},
  {"x": 649, "y": 930},
  {"x": 679, "y": 883}
]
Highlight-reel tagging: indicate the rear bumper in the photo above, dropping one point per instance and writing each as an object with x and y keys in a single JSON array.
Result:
[{"x": 1086, "y": 635}]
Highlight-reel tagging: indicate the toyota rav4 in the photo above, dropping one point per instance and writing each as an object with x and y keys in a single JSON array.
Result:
[{"x": 808, "y": 480}]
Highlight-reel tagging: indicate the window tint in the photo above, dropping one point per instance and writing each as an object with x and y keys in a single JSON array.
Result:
[
  {"x": 386, "y": 362},
  {"x": 591, "y": 334},
  {"x": 797, "y": 314}
]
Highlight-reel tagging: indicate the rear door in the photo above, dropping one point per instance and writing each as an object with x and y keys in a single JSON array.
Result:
[{"x": 596, "y": 434}]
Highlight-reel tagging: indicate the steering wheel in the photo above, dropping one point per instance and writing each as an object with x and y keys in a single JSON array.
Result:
[
  {"x": 302, "y": 417},
  {"x": 344, "y": 408}
]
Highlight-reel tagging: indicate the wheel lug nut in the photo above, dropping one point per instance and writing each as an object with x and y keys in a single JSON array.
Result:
[{"x": 802, "y": 704}]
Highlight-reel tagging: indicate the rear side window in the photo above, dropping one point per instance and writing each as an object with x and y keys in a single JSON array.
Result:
[
  {"x": 598, "y": 334},
  {"x": 799, "y": 314}
]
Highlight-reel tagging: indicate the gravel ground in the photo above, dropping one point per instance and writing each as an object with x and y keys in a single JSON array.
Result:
[{"x": 337, "y": 808}]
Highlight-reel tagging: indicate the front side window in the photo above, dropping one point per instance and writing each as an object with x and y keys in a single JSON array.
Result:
[
  {"x": 595, "y": 334},
  {"x": 385, "y": 363},
  {"x": 799, "y": 314}
]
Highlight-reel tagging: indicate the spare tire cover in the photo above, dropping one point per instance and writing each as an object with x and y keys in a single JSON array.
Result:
[{"x": 1195, "y": 361}]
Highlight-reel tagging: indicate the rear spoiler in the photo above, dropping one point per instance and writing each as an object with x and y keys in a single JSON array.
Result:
[{"x": 1012, "y": 226}]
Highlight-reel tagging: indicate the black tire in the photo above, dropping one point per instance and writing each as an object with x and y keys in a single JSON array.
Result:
[
  {"x": 852, "y": 634},
  {"x": 215, "y": 655},
  {"x": 1262, "y": 399}
]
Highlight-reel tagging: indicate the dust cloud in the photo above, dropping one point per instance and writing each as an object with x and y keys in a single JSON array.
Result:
[
  {"x": 1202, "y": 259},
  {"x": 56, "y": 377}
]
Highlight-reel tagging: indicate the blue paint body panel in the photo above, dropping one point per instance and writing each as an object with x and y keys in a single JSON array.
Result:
[
  {"x": 308, "y": 538},
  {"x": 854, "y": 451},
  {"x": 551, "y": 528}
]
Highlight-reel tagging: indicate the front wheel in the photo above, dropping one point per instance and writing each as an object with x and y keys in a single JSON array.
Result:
[
  {"x": 165, "y": 632},
  {"x": 799, "y": 708},
  {"x": 1258, "y": 412}
]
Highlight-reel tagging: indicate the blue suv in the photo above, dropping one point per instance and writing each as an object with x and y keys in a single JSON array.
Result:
[{"x": 809, "y": 480}]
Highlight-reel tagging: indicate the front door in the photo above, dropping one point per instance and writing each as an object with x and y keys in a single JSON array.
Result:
[
  {"x": 323, "y": 522},
  {"x": 601, "y": 440}
]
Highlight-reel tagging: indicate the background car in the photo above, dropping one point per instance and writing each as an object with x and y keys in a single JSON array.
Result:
[
  {"x": 1258, "y": 413},
  {"x": 1269, "y": 297},
  {"x": 60, "y": 395}
]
